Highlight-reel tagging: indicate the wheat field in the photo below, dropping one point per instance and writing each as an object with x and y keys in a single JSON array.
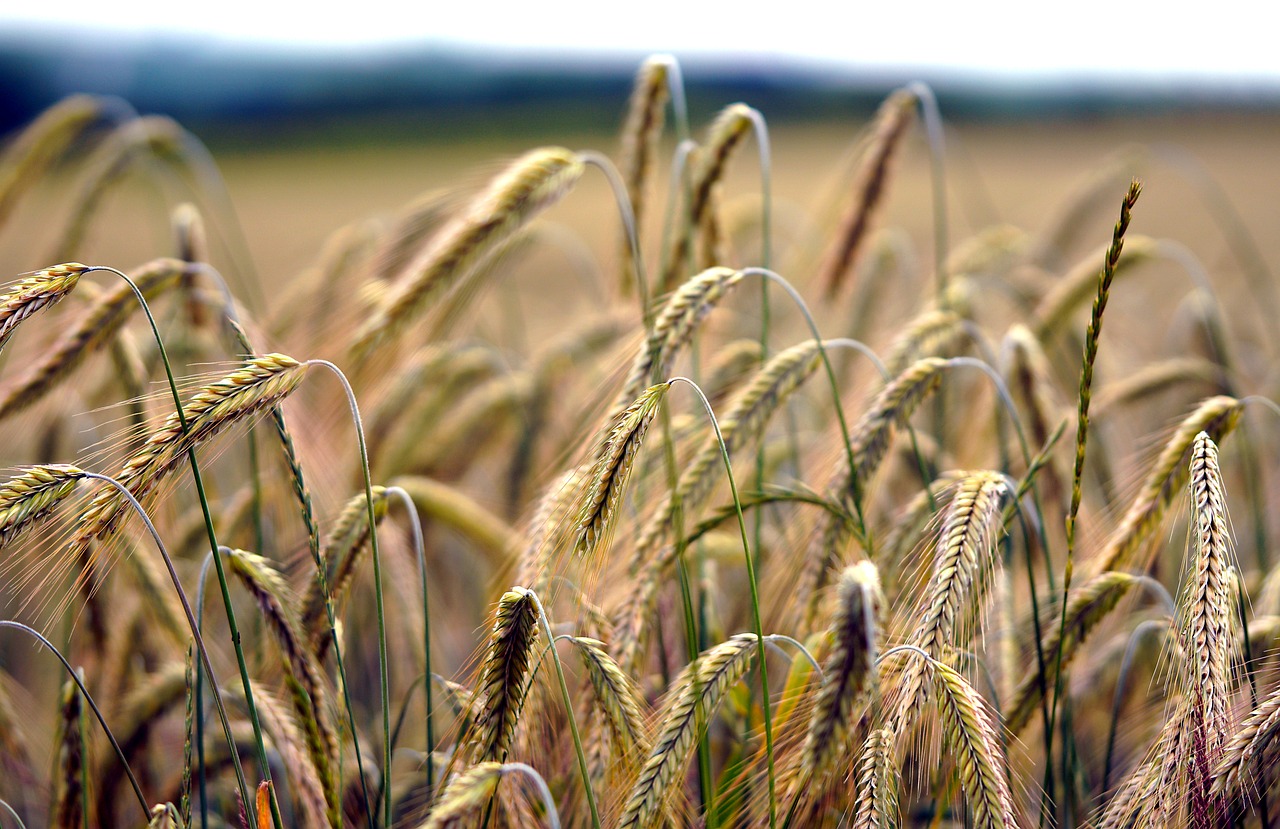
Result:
[{"x": 725, "y": 479}]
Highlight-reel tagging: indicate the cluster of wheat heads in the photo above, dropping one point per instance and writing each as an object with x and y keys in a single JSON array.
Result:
[{"x": 700, "y": 557}]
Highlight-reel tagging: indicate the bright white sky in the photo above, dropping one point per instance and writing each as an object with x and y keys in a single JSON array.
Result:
[{"x": 1145, "y": 39}]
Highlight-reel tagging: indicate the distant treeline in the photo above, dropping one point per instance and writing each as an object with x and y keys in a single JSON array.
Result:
[{"x": 228, "y": 92}]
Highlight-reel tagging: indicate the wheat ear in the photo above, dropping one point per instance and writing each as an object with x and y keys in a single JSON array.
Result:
[
  {"x": 32, "y": 293},
  {"x": 640, "y": 133},
  {"x": 849, "y": 671},
  {"x": 969, "y": 731},
  {"x": 503, "y": 679},
  {"x": 1216, "y": 417},
  {"x": 32, "y": 494},
  {"x": 532, "y": 183},
  {"x": 346, "y": 543},
  {"x": 955, "y": 594},
  {"x": 307, "y": 692},
  {"x": 696, "y": 697},
  {"x": 69, "y": 787},
  {"x": 31, "y": 154},
  {"x": 1088, "y": 606},
  {"x": 876, "y": 806},
  {"x": 261, "y": 382},
  {"x": 96, "y": 327},
  {"x": 892, "y": 122},
  {"x": 674, "y": 327},
  {"x": 609, "y": 476}
]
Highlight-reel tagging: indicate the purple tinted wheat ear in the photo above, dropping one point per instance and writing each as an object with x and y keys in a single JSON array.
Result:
[
  {"x": 503, "y": 679},
  {"x": 32, "y": 293},
  {"x": 850, "y": 669}
]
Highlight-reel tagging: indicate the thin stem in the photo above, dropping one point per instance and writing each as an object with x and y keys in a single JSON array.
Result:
[
  {"x": 260, "y": 747},
  {"x": 755, "y": 596},
  {"x": 137, "y": 790},
  {"x": 377, "y": 582},
  {"x": 415, "y": 525}
]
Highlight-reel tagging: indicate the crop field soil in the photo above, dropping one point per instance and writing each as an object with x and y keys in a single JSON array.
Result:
[{"x": 642, "y": 479}]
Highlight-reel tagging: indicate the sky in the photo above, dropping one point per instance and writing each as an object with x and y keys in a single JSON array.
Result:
[{"x": 1016, "y": 39}]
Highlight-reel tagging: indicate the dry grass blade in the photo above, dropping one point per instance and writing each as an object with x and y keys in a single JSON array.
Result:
[
  {"x": 532, "y": 183},
  {"x": 504, "y": 677},
  {"x": 849, "y": 671},
  {"x": 892, "y": 122},
  {"x": 37, "y": 291},
  {"x": 695, "y": 697}
]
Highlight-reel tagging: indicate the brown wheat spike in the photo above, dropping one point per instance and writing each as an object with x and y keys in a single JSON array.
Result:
[
  {"x": 31, "y": 154},
  {"x": 673, "y": 328},
  {"x": 347, "y": 541},
  {"x": 1209, "y": 622},
  {"x": 501, "y": 691},
  {"x": 302, "y": 675},
  {"x": 969, "y": 732},
  {"x": 466, "y": 794},
  {"x": 1216, "y": 417},
  {"x": 68, "y": 807},
  {"x": 612, "y": 469},
  {"x": 193, "y": 247},
  {"x": 550, "y": 526},
  {"x": 708, "y": 164},
  {"x": 258, "y": 384},
  {"x": 620, "y": 699},
  {"x": 695, "y": 698},
  {"x": 849, "y": 670},
  {"x": 876, "y": 806},
  {"x": 96, "y": 327},
  {"x": 892, "y": 122},
  {"x": 30, "y": 294},
  {"x": 640, "y": 133},
  {"x": 532, "y": 182},
  {"x": 473, "y": 423},
  {"x": 954, "y": 597},
  {"x": 1081, "y": 282},
  {"x": 32, "y": 495},
  {"x": 728, "y": 366},
  {"x": 1088, "y": 605}
]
